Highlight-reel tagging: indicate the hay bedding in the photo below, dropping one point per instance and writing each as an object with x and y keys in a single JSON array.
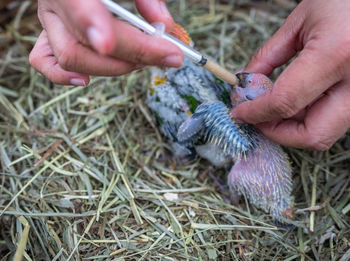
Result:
[{"x": 86, "y": 175}]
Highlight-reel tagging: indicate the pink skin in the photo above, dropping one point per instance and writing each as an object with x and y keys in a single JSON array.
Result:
[
  {"x": 264, "y": 175},
  {"x": 309, "y": 105},
  {"x": 252, "y": 86},
  {"x": 257, "y": 84},
  {"x": 82, "y": 38}
]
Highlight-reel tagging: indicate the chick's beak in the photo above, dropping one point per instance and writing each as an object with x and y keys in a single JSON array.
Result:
[{"x": 242, "y": 77}]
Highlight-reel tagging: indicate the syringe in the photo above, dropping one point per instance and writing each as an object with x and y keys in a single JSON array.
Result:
[{"x": 188, "y": 51}]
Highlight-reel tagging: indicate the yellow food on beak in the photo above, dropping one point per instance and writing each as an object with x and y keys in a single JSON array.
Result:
[{"x": 159, "y": 80}]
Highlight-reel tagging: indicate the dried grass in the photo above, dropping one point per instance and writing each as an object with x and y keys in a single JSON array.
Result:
[{"x": 86, "y": 175}]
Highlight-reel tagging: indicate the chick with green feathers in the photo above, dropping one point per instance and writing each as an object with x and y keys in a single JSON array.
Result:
[
  {"x": 174, "y": 96},
  {"x": 192, "y": 108}
]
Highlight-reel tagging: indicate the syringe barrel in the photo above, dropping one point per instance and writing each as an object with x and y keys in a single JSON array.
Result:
[
  {"x": 188, "y": 51},
  {"x": 130, "y": 17},
  {"x": 136, "y": 21}
]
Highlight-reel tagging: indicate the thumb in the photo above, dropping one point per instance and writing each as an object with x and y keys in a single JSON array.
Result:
[
  {"x": 155, "y": 11},
  {"x": 281, "y": 47}
]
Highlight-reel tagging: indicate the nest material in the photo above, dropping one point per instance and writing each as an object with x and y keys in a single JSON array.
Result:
[{"x": 86, "y": 175}]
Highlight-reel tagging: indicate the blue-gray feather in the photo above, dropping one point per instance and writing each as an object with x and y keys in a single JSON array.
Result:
[{"x": 218, "y": 128}]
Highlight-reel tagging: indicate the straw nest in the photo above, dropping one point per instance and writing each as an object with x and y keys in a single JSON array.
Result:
[{"x": 86, "y": 175}]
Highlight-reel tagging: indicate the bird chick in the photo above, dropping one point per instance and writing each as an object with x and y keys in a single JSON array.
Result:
[
  {"x": 264, "y": 175},
  {"x": 261, "y": 169},
  {"x": 192, "y": 108},
  {"x": 175, "y": 94}
]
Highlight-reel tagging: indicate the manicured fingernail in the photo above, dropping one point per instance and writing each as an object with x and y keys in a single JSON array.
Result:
[
  {"x": 173, "y": 61},
  {"x": 96, "y": 40},
  {"x": 77, "y": 82},
  {"x": 164, "y": 9}
]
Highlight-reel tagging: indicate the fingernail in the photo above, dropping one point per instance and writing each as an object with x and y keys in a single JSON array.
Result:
[
  {"x": 234, "y": 117},
  {"x": 164, "y": 9},
  {"x": 173, "y": 61},
  {"x": 96, "y": 39},
  {"x": 233, "y": 114},
  {"x": 160, "y": 29},
  {"x": 77, "y": 82}
]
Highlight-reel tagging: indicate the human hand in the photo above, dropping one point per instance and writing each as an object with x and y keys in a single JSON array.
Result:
[
  {"x": 81, "y": 38},
  {"x": 309, "y": 105}
]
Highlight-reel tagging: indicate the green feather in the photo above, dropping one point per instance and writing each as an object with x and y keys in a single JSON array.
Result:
[{"x": 192, "y": 102}]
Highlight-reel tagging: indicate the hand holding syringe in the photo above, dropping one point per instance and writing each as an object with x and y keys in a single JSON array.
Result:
[
  {"x": 188, "y": 51},
  {"x": 77, "y": 43}
]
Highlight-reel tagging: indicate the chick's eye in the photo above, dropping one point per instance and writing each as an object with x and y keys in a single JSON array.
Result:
[{"x": 250, "y": 81}]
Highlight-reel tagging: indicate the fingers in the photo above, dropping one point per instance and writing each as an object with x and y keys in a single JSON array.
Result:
[
  {"x": 155, "y": 11},
  {"x": 89, "y": 21},
  {"x": 73, "y": 56},
  {"x": 65, "y": 54},
  {"x": 281, "y": 47},
  {"x": 130, "y": 45},
  {"x": 137, "y": 47},
  {"x": 43, "y": 60},
  {"x": 305, "y": 79},
  {"x": 324, "y": 123}
]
